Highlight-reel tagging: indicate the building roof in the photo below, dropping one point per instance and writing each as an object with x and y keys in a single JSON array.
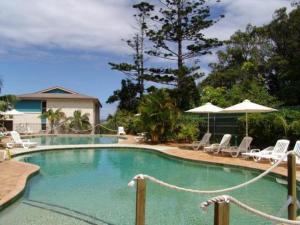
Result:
[{"x": 57, "y": 93}]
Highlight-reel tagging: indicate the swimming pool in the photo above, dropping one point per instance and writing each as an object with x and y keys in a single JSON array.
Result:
[
  {"x": 90, "y": 187},
  {"x": 74, "y": 140}
]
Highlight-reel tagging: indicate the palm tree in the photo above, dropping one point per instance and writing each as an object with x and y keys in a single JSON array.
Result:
[
  {"x": 54, "y": 118},
  {"x": 158, "y": 115},
  {"x": 79, "y": 121},
  {"x": 7, "y": 102}
]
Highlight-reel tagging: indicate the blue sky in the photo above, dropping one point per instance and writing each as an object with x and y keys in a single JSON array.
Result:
[{"x": 69, "y": 43}]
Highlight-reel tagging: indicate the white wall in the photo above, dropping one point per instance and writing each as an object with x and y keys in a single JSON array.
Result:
[
  {"x": 69, "y": 106},
  {"x": 33, "y": 120}
]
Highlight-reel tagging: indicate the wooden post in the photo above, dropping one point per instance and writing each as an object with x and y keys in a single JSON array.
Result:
[
  {"x": 140, "y": 201},
  {"x": 221, "y": 213},
  {"x": 292, "y": 191}
]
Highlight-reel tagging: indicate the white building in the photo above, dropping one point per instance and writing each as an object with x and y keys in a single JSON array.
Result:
[{"x": 34, "y": 104}]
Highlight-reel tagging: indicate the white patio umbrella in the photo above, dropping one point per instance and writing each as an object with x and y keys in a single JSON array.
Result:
[
  {"x": 206, "y": 108},
  {"x": 12, "y": 112},
  {"x": 248, "y": 107}
]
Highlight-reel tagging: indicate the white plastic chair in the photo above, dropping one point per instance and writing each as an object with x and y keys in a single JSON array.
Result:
[
  {"x": 218, "y": 147},
  {"x": 271, "y": 153},
  {"x": 25, "y": 143},
  {"x": 197, "y": 145},
  {"x": 297, "y": 151},
  {"x": 141, "y": 137},
  {"x": 121, "y": 131},
  {"x": 244, "y": 146}
]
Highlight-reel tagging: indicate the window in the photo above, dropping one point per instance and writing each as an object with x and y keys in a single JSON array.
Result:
[
  {"x": 44, "y": 106},
  {"x": 44, "y": 126},
  {"x": 44, "y": 121}
]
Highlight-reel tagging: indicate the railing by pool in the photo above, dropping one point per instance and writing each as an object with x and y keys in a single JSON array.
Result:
[{"x": 222, "y": 203}]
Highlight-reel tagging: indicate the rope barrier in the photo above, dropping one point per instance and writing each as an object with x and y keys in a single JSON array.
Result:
[
  {"x": 284, "y": 207},
  {"x": 75, "y": 130},
  {"x": 182, "y": 189},
  {"x": 88, "y": 130},
  {"x": 229, "y": 199},
  {"x": 100, "y": 125}
]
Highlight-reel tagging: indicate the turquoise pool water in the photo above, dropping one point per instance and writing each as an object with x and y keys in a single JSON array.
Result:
[
  {"x": 79, "y": 187},
  {"x": 74, "y": 140}
]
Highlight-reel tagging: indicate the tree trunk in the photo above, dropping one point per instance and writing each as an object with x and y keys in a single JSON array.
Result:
[{"x": 179, "y": 37}]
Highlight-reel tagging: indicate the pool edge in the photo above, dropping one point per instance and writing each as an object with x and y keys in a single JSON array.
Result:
[{"x": 20, "y": 187}]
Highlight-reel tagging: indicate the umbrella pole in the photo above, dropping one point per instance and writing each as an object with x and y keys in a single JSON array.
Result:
[
  {"x": 246, "y": 124},
  {"x": 207, "y": 122}
]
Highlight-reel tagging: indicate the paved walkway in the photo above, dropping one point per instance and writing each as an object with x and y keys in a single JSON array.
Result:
[
  {"x": 13, "y": 177},
  {"x": 13, "y": 174}
]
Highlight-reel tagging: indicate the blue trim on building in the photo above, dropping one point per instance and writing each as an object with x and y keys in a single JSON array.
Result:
[
  {"x": 29, "y": 106},
  {"x": 57, "y": 91}
]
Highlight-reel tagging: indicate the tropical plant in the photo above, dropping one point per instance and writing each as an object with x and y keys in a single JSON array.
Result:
[
  {"x": 267, "y": 128},
  {"x": 54, "y": 118},
  {"x": 128, "y": 120},
  {"x": 188, "y": 132},
  {"x": 7, "y": 102},
  {"x": 188, "y": 127},
  {"x": 80, "y": 122},
  {"x": 158, "y": 115}
]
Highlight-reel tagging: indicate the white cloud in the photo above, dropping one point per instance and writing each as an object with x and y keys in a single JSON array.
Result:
[
  {"x": 32, "y": 27},
  {"x": 91, "y": 25},
  {"x": 239, "y": 13}
]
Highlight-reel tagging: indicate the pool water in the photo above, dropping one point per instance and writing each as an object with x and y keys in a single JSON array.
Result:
[
  {"x": 74, "y": 140},
  {"x": 79, "y": 187}
]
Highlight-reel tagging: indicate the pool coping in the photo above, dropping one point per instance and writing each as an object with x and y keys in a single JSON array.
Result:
[
  {"x": 20, "y": 187},
  {"x": 15, "y": 194}
]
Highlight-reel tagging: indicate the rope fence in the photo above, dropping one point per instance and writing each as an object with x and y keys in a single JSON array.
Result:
[
  {"x": 229, "y": 199},
  {"x": 97, "y": 125},
  {"x": 182, "y": 189},
  {"x": 59, "y": 128},
  {"x": 100, "y": 125},
  {"x": 222, "y": 202}
]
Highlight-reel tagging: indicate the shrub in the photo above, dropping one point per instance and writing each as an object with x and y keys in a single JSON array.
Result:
[
  {"x": 188, "y": 132},
  {"x": 158, "y": 115},
  {"x": 188, "y": 127},
  {"x": 123, "y": 118},
  {"x": 294, "y": 130},
  {"x": 267, "y": 128}
]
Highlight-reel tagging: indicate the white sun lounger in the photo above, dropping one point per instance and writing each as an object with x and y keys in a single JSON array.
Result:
[
  {"x": 121, "y": 131},
  {"x": 234, "y": 151},
  {"x": 297, "y": 151},
  {"x": 218, "y": 147},
  {"x": 197, "y": 145},
  {"x": 280, "y": 148},
  {"x": 17, "y": 141}
]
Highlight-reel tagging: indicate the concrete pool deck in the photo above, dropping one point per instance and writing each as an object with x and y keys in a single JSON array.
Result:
[
  {"x": 14, "y": 174},
  {"x": 13, "y": 177}
]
